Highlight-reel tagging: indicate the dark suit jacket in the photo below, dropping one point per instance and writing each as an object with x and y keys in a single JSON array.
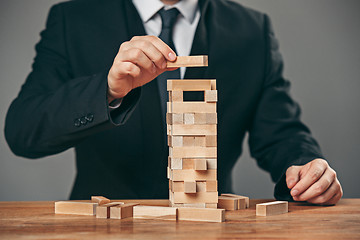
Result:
[{"x": 122, "y": 154}]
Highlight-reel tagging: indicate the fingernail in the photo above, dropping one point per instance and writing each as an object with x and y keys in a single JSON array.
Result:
[
  {"x": 294, "y": 193},
  {"x": 172, "y": 56},
  {"x": 291, "y": 183}
]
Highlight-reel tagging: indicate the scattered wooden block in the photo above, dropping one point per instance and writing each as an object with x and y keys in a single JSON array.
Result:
[
  {"x": 211, "y": 140},
  {"x": 201, "y": 214},
  {"x": 271, "y": 208},
  {"x": 189, "y": 61},
  {"x": 194, "y": 130},
  {"x": 77, "y": 208},
  {"x": 246, "y": 199},
  {"x": 192, "y": 175},
  {"x": 199, "y": 197},
  {"x": 122, "y": 211},
  {"x": 196, "y": 152},
  {"x": 191, "y": 107},
  {"x": 211, "y": 186},
  {"x": 103, "y": 211},
  {"x": 211, "y": 96},
  {"x": 154, "y": 212},
  {"x": 200, "y": 164},
  {"x": 188, "y": 118},
  {"x": 190, "y": 187},
  {"x": 100, "y": 200},
  {"x": 228, "y": 203}
]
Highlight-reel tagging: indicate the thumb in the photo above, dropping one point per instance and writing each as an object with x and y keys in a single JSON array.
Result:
[{"x": 292, "y": 176}]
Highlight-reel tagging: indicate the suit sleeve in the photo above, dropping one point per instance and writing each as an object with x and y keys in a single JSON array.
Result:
[
  {"x": 55, "y": 111},
  {"x": 277, "y": 138}
]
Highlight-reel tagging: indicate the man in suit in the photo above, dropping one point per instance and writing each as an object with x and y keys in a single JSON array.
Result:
[{"x": 98, "y": 85}]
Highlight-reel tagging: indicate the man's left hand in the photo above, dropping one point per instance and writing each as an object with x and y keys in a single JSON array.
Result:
[{"x": 315, "y": 182}]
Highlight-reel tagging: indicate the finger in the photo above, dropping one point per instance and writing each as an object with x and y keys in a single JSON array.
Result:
[
  {"x": 150, "y": 51},
  {"x": 326, "y": 196},
  {"x": 168, "y": 53},
  {"x": 138, "y": 57},
  {"x": 318, "y": 187},
  {"x": 292, "y": 176},
  {"x": 315, "y": 171},
  {"x": 127, "y": 69},
  {"x": 336, "y": 198}
]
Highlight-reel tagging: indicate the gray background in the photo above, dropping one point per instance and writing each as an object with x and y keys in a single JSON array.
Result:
[{"x": 320, "y": 43}]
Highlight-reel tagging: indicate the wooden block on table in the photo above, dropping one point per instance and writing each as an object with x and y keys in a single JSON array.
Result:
[
  {"x": 241, "y": 204},
  {"x": 211, "y": 140},
  {"x": 228, "y": 203},
  {"x": 188, "y": 118},
  {"x": 189, "y": 141},
  {"x": 103, "y": 211},
  {"x": 190, "y": 187},
  {"x": 211, "y": 96},
  {"x": 77, "y": 208},
  {"x": 200, "y": 164},
  {"x": 211, "y": 118},
  {"x": 176, "y": 96},
  {"x": 211, "y": 186},
  {"x": 271, "y": 208},
  {"x": 122, "y": 211},
  {"x": 200, "y": 118},
  {"x": 194, "y": 130},
  {"x": 174, "y": 118},
  {"x": 100, "y": 199},
  {"x": 155, "y": 212},
  {"x": 191, "y": 107},
  {"x": 192, "y": 175},
  {"x": 211, "y": 163},
  {"x": 201, "y": 214},
  {"x": 189, "y": 61},
  {"x": 196, "y": 152},
  {"x": 203, "y": 197}
]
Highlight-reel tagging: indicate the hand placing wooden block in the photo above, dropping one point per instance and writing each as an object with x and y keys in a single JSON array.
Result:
[
  {"x": 241, "y": 205},
  {"x": 154, "y": 212},
  {"x": 201, "y": 214},
  {"x": 100, "y": 200},
  {"x": 228, "y": 203},
  {"x": 190, "y": 187},
  {"x": 122, "y": 211},
  {"x": 77, "y": 208},
  {"x": 271, "y": 208},
  {"x": 189, "y": 61},
  {"x": 103, "y": 211}
]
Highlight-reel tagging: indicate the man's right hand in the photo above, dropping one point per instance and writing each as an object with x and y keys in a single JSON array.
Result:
[{"x": 138, "y": 61}]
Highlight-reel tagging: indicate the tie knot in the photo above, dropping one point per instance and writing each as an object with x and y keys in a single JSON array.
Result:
[{"x": 168, "y": 17}]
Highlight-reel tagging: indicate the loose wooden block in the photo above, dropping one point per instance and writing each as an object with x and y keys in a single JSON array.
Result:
[
  {"x": 271, "y": 208},
  {"x": 200, "y": 118},
  {"x": 194, "y": 130},
  {"x": 155, "y": 212},
  {"x": 189, "y": 141},
  {"x": 174, "y": 118},
  {"x": 176, "y": 96},
  {"x": 211, "y": 118},
  {"x": 103, "y": 211},
  {"x": 211, "y": 96},
  {"x": 201, "y": 214},
  {"x": 242, "y": 205},
  {"x": 202, "y": 197},
  {"x": 189, "y": 61},
  {"x": 77, "y": 208},
  {"x": 211, "y": 163},
  {"x": 190, "y": 187},
  {"x": 176, "y": 163},
  {"x": 188, "y": 118},
  {"x": 196, "y": 152},
  {"x": 189, "y": 84},
  {"x": 211, "y": 186},
  {"x": 191, "y": 107},
  {"x": 100, "y": 199},
  {"x": 211, "y": 140},
  {"x": 122, "y": 211},
  {"x": 192, "y": 175},
  {"x": 228, "y": 203},
  {"x": 200, "y": 164}
]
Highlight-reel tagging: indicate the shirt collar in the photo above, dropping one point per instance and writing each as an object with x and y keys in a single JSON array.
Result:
[{"x": 148, "y": 8}]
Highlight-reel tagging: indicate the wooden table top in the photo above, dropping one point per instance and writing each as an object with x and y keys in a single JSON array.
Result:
[{"x": 36, "y": 220}]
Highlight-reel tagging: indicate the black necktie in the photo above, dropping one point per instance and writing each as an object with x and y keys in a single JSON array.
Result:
[{"x": 168, "y": 18}]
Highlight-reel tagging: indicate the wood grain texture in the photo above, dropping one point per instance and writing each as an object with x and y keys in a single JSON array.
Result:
[
  {"x": 155, "y": 212},
  {"x": 190, "y": 84},
  {"x": 36, "y": 220},
  {"x": 191, "y": 107},
  {"x": 203, "y": 215},
  {"x": 272, "y": 208},
  {"x": 189, "y": 61}
]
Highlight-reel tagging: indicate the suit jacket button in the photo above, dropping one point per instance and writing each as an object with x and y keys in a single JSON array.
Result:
[
  {"x": 83, "y": 121},
  {"x": 89, "y": 117},
  {"x": 77, "y": 122}
]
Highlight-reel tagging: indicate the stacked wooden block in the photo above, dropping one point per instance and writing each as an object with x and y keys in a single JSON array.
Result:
[{"x": 192, "y": 140}]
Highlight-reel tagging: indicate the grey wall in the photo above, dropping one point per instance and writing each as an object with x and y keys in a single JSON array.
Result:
[{"x": 320, "y": 44}]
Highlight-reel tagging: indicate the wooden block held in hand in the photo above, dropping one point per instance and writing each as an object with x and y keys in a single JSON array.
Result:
[
  {"x": 100, "y": 200},
  {"x": 271, "y": 208},
  {"x": 201, "y": 214},
  {"x": 228, "y": 203},
  {"x": 155, "y": 212},
  {"x": 122, "y": 211},
  {"x": 190, "y": 187},
  {"x": 77, "y": 208},
  {"x": 200, "y": 164},
  {"x": 189, "y": 61}
]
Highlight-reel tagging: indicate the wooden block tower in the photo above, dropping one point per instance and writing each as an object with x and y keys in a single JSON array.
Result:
[{"x": 192, "y": 141}]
